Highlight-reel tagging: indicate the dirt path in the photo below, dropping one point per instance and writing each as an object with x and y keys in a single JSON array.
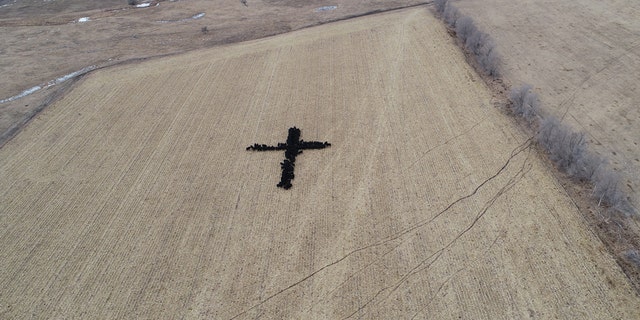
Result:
[{"x": 134, "y": 196}]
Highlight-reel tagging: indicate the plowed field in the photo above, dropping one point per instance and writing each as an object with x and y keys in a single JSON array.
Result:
[{"x": 134, "y": 196}]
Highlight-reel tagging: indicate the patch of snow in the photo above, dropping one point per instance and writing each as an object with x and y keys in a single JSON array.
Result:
[
  {"x": 8, "y": 4},
  {"x": 198, "y": 16},
  {"x": 49, "y": 84},
  {"x": 22, "y": 94},
  {"x": 194, "y": 17},
  {"x": 73, "y": 74},
  {"x": 143, "y": 5},
  {"x": 325, "y": 8},
  {"x": 84, "y": 19}
]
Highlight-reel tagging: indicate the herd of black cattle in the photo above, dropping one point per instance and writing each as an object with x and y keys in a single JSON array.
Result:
[{"x": 292, "y": 148}]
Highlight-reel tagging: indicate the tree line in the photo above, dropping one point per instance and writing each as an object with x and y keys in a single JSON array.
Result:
[
  {"x": 565, "y": 147},
  {"x": 478, "y": 43}
]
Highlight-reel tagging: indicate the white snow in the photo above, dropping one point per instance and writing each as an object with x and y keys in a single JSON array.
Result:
[
  {"x": 198, "y": 16},
  {"x": 48, "y": 84},
  {"x": 8, "y": 4},
  {"x": 84, "y": 19},
  {"x": 73, "y": 74},
  {"x": 326, "y": 8},
  {"x": 143, "y": 5},
  {"x": 194, "y": 17},
  {"x": 22, "y": 94}
]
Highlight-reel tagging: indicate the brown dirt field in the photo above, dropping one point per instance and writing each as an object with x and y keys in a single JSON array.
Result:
[
  {"x": 43, "y": 40},
  {"x": 133, "y": 196},
  {"x": 583, "y": 58}
]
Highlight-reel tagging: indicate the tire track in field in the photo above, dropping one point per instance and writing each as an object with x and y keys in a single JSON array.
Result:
[
  {"x": 166, "y": 247},
  {"x": 446, "y": 142},
  {"x": 519, "y": 149},
  {"x": 138, "y": 167},
  {"x": 209, "y": 250},
  {"x": 435, "y": 256},
  {"x": 450, "y": 277},
  {"x": 261, "y": 114},
  {"x": 44, "y": 224},
  {"x": 122, "y": 179}
]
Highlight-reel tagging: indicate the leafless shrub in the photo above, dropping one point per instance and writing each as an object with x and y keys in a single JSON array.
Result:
[
  {"x": 564, "y": 146},
  {"x": 547, "y": 132},
  {"x": 517, "y": 96},
  {"x": 587, "y": 166},
  {"x": 633, "y": 256},
  {"x": 480, "y": 44},
  {"x": 568, "y": 150},
  {"x": 606, "y": 189},
  {"x": 440, "y": 5},
  {"x": 489, "y": 59},
  {"x": 133, "y": 2},
  {"x": 525, "y": 103},
  {"x": 451, "y": 14},
  {"x": 204, "y": 30},
  {"x": 465, "y": 28},
  {"x": 477, "y": 40}
]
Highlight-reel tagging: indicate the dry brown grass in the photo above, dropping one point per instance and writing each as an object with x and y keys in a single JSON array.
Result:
[
  {"x": 43, "y": 41},
  {"x": 133, "y": 196},
  {"x": 582, "y": 57}
]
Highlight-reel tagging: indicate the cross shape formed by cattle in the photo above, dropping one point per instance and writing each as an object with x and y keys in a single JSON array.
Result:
[{"x": 292, "y": 148}]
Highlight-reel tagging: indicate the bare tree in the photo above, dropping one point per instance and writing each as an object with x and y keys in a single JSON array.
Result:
[
  {"x": 525, "y": 103},
  {"x": 487, "y": 55},
  {"x": 516, "y": 95},
  {"x": 465, "y": 28},
  {"x": 547, "y": 131},
  {"x": 587, "y": 166},
  {"x": 565, "y": 148},
  {"x": 451, "y": 14},
  {"x": 633, "y": 255},
  {"x": 478, "y": 41},
  {"x": 480, "y": 44},
  {"x": 570, "y": 150},
  {"x": 606, "y": 188},
  {"x": 490, "y": 63},
  {"x": 440, "y": 5}
]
